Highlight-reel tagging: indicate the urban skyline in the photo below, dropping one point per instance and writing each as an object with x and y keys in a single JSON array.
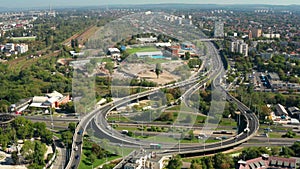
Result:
[{"x": 57, "y": 3}]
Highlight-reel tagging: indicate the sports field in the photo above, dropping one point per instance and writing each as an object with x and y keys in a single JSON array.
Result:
[{"x": 142, "y": 49}]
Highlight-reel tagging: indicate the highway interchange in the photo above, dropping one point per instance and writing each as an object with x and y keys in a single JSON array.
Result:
[{"x": 97, "y": 117}]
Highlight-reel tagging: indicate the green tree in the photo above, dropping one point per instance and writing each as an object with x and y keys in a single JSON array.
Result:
[
  {"x": 15, "y": 157},
  {"x": 39, "y": 151},
  {"x": 296, "y": 148},
  {"x": 67, "y": 137},
  {"x": 223, "y": 161},
  {"x": 187, "y": 55},
  {"x": 196, "y": 165},
  {"x": 287, "y": 152},
  {"x": 72, "y": 127},
  {"x": 92, "y": 158},
  {"x": 35, "y": 166},
  {"x": 27, "y": 151},
  {"x": 158, "y": 69},
  {"x": 289, "y": 134},
  {"x": 110, "y": 67},
  {"x": 175, "y": 163}
]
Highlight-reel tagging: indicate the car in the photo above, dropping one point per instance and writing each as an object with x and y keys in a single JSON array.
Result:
[
  {"x": 80, "y": 132},
  {"x": 76, "y": 148},
  {"x": 77, "y": 157},
  {"x": 224, "y": 137},
  {"x": 218, "y": 138}
]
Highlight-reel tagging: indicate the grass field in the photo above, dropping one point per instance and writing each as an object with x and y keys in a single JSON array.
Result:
[
  {"x": 279, "y": 135},
  {"x": 228, "y": 122},
  {"x": 86, "y": 164},
  {"x": 141, "y": 49}
]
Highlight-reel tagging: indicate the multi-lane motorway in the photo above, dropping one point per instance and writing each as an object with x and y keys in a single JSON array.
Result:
[{"x": 97, "y": 117}]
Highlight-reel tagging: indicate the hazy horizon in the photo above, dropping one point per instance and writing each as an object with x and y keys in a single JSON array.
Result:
[{"x": 65, "y": 3}]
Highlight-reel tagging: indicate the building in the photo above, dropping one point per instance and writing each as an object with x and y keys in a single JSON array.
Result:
[
  {"x": 250, "y": 35},
  {"x": 187, "y": 46},
  {"x": 266, "y": 56},
  {"x": 22, "y": 48},
  {"x": 173, "y": 50},
  {"x": 114, "y": 52},
  {"x": 239, "y": 46},
  {"x": 243, "y": 49},
  {"x": 219, "y": 29},
  {"x": 147, "y": 40},
  {"x": 271, "y": 35},
  {"x": 143, "y": 160},
  {"x": 280, "y": 110},
  {"x": 266, "y": 162},
  {"x": 10, "y": 47},
  {"x": 273, "y": 77},
  {"x": 294, "y": 112},
  {"x": 149, "y": 54},
  {"x": 166, "y": 44},
  {"x": 256, "y": 33},
  {"x": 50, "y": 100}
]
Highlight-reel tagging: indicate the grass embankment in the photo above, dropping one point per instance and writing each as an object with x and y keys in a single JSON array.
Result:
[{"x": 84, "y": 160}]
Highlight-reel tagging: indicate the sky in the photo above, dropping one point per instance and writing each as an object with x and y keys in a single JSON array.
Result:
[{"x": 56, "y": 3}]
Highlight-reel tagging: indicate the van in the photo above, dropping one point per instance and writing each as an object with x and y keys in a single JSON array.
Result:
[{"x": 124, "y": 132}]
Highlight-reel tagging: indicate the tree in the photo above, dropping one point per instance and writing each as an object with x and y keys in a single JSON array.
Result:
[
  {"x": 72, "y": 127},
  {"x": 296, "y": 148},
  {"x": 39, "y": 151},
  {"x": 196, "y": 165},
  {"x": 15, "y": 157},
  {"x": 27, "y": 151},
  {"x": 47, "y": 137},
  {"x": 67, "y": 137},
  {"x": 110, "y": 67},
  {"x": 158, "y": 70},
  {"x": 175, "y": 163},
  {"x": 166, "y": 116},
  {"x": 187, "y": 55},
  {"x": 40, "y": 128},
  {"x": 92, "y": 158},
  {"x": 287, "y": 152},
  {"x": 35, "y": 166},
  {"x": 223, "y": 161},
  {"x": 68, "y": 107},
  {"x": 290, "y": 134}
]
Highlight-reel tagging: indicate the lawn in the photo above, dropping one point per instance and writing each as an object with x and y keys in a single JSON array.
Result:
[
  {"x": 117, "y": 118},
  {"x": 84, "y": 161},
  {"x": 279, "y": 135},
  {"x": 228, "y": 122},
  {"x": 141, "y": 49}
]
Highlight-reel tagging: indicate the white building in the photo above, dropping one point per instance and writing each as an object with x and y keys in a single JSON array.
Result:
[
  {"x": 147, "y": 40},
  {"x": 114, "y": 52},
  {"x": 243, "y": 49},
  {"x": 22, "y": 48},
  {"x": 149, "y": 54},
  {"x": 239, "y": 46},
  {"x": 271, "y": 35}
]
